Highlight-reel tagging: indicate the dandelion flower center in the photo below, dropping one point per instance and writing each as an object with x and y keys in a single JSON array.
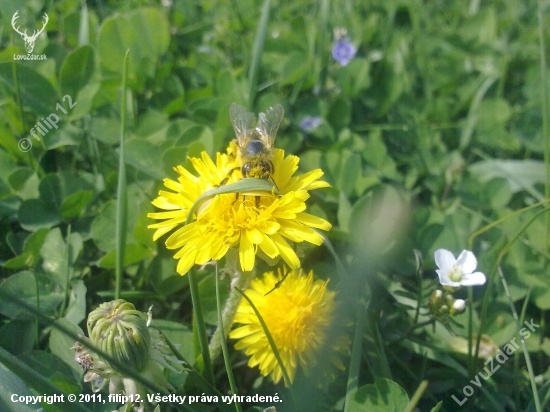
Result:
[{"x": 298, "y": 316}]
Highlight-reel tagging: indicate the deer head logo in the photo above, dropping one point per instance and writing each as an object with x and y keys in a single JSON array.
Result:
[{"x": 29, "y": 40}]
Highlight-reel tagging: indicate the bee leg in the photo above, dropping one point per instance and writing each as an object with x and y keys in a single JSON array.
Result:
[
  {"x": 278, "y": 284},
  {"x": 224, "y": 181}
]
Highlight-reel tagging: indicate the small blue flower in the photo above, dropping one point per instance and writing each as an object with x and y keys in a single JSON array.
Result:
[
  {"x": 308, "y": 123},
  {"x": 343, "y": 51}
]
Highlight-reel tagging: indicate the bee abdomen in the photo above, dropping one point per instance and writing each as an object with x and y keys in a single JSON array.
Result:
[{"x": 261, "y": 169}]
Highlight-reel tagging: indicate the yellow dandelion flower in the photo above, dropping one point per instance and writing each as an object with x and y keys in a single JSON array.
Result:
[
  {"x": 249, "y": 222},
  {"x": 298, "y": 315}
]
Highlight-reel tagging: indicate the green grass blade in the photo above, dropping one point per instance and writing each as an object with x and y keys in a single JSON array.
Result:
[
  {"x": 257, "y": 50},
  {"x": 523, "y": 344},
  {"x": 251, "y": 185},
  {"x": 226, "y": 359},
  {"x": 84, "y": 27},
  {"x": 122, "y": 205}
]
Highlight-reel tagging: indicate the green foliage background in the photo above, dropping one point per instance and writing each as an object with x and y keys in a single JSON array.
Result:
[{"x": 435, "y": 129}]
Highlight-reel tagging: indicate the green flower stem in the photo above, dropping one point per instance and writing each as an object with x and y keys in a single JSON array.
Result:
[
  {"x": 68, "y": 273},
  {"x": 470, "y": 328},
  {"x": 228, "y": 313},
  {"x": 417, "y": 395},
  {"x": 545, "y": 134},
  {"x": 121, "y": 205},
  {"x": 226, "y": 359},
  {"x": 201, "y": 326},
  {"x": 523, "y": 344}
]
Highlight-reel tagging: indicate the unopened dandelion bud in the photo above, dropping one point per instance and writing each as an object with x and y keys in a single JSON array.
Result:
[
  {"x": 459, "y": 306},
  {"x": 120, "y": 330}
]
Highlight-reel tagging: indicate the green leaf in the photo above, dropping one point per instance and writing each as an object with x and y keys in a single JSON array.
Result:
[
  {"x": 382, "y": 396},
  {"x": 350, "y": 170},
  {"x": 354, "y": 78},
  {"x": 76, "y": 311},
  {"x": 132, "y": 254},
  {"x": 497, "y": 193},
  {"x": 74, "y": 205},
  {"x": 54, "y": 189},
  {"x": 35, "y": 214},
  {"x": 178, "y": 334},
  {"x": 378, "y": 218},
  {"x": 18, "y": 336},
  {"x": 144, "y": 156},
  {"x": 105, "y": 129},
  {"x": 145, "y": 32},
  {"x": 10, "y": 384},
  {"x": 55, "y": 256},
  {"x": 339, "y": 114},
  {"x": 24, "y": 286},
  {"x": 172, "y": 158},
  {"x": 25, "y": 182},
  {"x": 207, "y": 292},
  {"x": 52, "y": 368},
  {"x": 60, "y": 344},
  {"x": 77, "y": 71},
  {"x": 37, "y": 93},
  {"x": 103, "y": 227},
  {"x": 344, "y": 212},
  {"x": 295, "y": 68},
  {"x": 520, "y": 174}
]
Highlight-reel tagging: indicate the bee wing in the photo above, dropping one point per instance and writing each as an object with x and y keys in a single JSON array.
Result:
[
  {"x": 242, "y": 121},
  {"x": 269, "y": 123}
]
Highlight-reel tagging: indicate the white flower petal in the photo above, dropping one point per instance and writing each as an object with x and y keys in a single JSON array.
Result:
[
  {"x": 476, "y": 278},
  {"x": 444, "y": 259},
  {"x": 467, "y": 260},
  {"x": 444, "y": 279}
]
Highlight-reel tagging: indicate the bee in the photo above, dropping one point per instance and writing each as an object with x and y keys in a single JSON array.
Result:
[{"x": 255, "y": 141}]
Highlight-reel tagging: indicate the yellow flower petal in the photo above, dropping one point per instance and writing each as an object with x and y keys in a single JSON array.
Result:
[
  {"x": 246, "y": 254},
  {"x": 286, "y": 252}
]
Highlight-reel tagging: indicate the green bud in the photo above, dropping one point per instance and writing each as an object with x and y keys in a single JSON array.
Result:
[
  {"x": 436, "y": 298},
  {"x": 120, "y": 330},
  {"x": 459, "y": 306}
]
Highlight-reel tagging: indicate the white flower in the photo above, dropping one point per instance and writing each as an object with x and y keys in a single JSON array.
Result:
[{"x": 457, "y": 272}]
